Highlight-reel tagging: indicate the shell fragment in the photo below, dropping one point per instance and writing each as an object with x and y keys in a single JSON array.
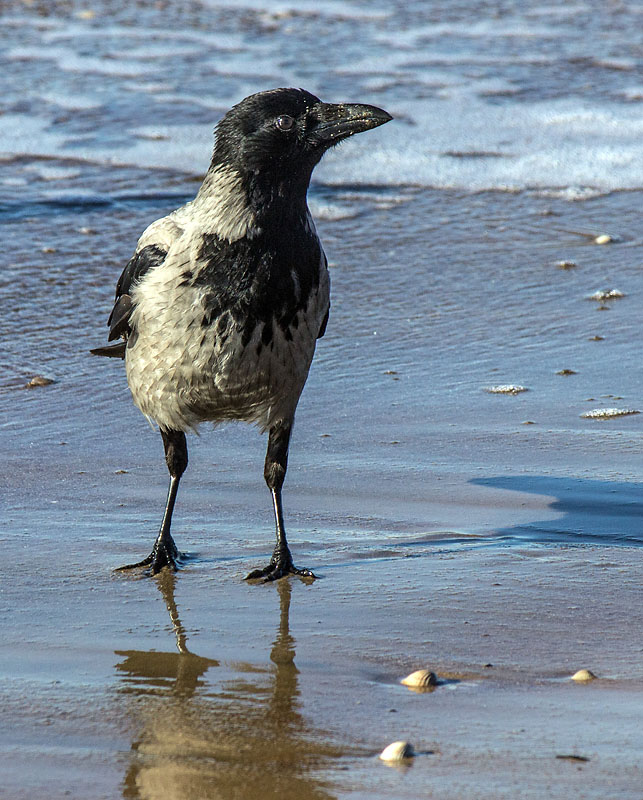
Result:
[
  {"x": 583, "y": 675},
  {"x": 397, "y": 751},
  {"x": 420, "y": 679}
]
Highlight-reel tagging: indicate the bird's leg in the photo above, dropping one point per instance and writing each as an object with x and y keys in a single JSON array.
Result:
[
  {"x": 274, "y": 472},
  {"x": 164, "y": 552}
]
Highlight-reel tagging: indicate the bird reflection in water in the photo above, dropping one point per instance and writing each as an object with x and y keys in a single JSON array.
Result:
[{"x": 245, "y": 739}]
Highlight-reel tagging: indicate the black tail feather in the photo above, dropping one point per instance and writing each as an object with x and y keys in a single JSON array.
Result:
[{"x": 111, "y": 351}]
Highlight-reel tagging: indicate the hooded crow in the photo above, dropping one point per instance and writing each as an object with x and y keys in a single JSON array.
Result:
[{"x": 222, "y": 303}]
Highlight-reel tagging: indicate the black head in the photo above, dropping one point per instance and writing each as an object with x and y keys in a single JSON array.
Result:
[{"x": 285, "y": 132}]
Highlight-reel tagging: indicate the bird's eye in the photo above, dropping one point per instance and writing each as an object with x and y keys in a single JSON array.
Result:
[{"x": 285, "y": 122}]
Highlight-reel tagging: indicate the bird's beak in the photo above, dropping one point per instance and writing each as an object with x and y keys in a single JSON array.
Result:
[{"x": 332, "y": 122}]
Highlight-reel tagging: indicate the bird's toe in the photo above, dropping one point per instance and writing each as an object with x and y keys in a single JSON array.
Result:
[
  {"x": 279, "y": 569},
  {"x": 164, "y": 554},
  {"x": 257, "y": 574},
  {"x": 305, "y": 573}
]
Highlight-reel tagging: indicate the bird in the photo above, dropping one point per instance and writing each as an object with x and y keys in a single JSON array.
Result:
[{"x": 218, "y": 312}]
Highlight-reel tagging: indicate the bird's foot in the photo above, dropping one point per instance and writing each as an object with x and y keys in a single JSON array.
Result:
[
  {"x": 280, "y": 566},
  {"x": 164, "y": 554}
]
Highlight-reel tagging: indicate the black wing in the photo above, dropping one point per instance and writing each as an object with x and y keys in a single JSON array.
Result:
[
  {"x": 322, "y": 327},
  {"x": 142, "y": 261},
  {"x": 137, "y": 266}
]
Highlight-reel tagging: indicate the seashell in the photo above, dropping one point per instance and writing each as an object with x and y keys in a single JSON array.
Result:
[
  {"x": 603, "y": 238},
  {"x": 583, "y": 675},
  {"x": 397, "y": 751},
  {"x": 572, "y": 757},
  {"x": 39, "y": 380},
  {"x": 608, "y": 413},
  {"x": 420, "y": 679},
  {"x": 509, "y": 388},
  {"x": 566, "y": 264},
  {"x": 606, "y": 294}
]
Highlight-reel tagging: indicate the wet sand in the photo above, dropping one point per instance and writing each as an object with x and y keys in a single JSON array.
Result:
[
  {"x": 446, "y": 532},
  {"x": 202, "y": 686}
]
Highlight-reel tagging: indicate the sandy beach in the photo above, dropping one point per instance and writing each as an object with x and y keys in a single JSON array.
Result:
[
  {"x": 202, "y": 686},
  {"x": 493, "y": 537}
]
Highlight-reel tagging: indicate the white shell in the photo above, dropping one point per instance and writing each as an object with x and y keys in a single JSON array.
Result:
[
  {"x": 604, "y": 238},
  {"x": 397, "y": 751},
  {"x": 583, "y": 675},
  {"x": 421, "y": 678},
  {"x": 607, "y": 413},
  {"x": 606, "y": 294},
  {"x": 509, "y": 388},
  {"x": 566, "y": 264},
  {"x": 39, "y": 380}
]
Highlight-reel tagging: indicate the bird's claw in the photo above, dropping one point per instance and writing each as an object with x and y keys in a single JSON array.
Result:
[
  {"x": 279, "y": 567},
  {"x": 164, "y": 554}
]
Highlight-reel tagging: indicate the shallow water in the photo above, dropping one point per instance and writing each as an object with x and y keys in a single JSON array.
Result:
[
  {"x": 485, "y": 96},
  {"x": 425, "y": 503}
]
